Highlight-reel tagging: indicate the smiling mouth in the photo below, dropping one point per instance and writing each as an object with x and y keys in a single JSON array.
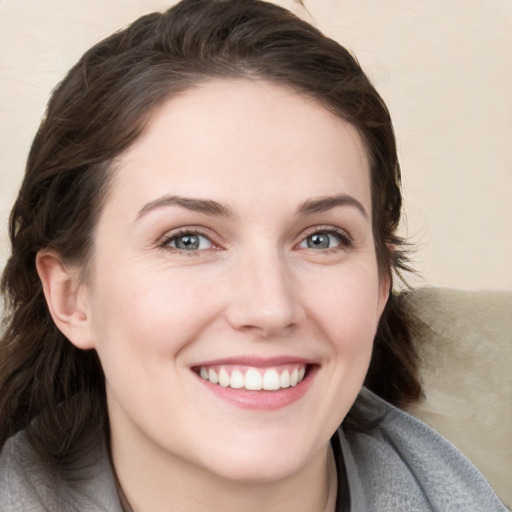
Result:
[{"x": 254, "y": 378}]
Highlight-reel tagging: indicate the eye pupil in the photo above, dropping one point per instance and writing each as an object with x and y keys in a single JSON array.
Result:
[
  {"x": 190, "y": 242},
  {"x": 318, "y": 241}
]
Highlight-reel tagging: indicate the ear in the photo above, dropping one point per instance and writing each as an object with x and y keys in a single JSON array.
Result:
[{"x": 66, "y": 298}]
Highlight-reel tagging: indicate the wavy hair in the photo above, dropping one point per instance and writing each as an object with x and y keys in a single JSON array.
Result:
[{"x": 56, "y": 391}]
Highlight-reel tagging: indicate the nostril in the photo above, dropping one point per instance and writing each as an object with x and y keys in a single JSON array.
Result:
[{"x": 263, "y": 302}]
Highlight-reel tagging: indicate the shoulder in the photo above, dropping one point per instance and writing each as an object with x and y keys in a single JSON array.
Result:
[
  {"x": 402, "y": 464},
  {"x": 27, "y": 486},
  {"x": 19, "y": 490}
]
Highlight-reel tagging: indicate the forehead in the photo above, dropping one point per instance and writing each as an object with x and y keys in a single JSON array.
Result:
[{"x": 236, "y": 137}]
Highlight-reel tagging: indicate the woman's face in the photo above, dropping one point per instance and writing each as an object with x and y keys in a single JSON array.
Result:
[{"x": 235, "y": 252}]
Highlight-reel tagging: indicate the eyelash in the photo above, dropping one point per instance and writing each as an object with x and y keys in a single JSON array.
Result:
[
  {"x": 345, "y": 241},
  {"x": 167, "y": 239}
]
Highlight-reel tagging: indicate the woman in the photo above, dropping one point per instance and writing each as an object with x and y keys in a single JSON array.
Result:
[{"x": 200, "y": 284}]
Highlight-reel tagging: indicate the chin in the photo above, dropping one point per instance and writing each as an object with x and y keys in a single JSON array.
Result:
[
  {"x": 256, "y": 471},
  {"x": 260, "y": 461}
]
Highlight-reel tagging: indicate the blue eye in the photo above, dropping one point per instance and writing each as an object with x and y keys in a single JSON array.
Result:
[
  {"x": 326, "y": 239},
  {"x": 189, "y": 242}
]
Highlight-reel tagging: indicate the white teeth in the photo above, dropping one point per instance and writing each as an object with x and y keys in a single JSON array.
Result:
[
  {"x": 212, "y": 376},
  {"x": 254, "y": 379},
  {"x": 285, "y": 379},
  {"x": 224, "y": 378},
  {"x": 237, "y": 379},
  {"x": 271, "y": 380},
  {"x": 294, "y": 377}
]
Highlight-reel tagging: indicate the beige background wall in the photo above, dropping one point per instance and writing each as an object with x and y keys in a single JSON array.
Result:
[{"x": 444, "y": 68}]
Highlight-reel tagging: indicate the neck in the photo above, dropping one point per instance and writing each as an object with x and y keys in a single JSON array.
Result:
[{"x": 181, "y": 486}]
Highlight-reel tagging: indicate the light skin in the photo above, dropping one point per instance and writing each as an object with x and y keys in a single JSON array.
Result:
[{"x": 238, "y": 226}]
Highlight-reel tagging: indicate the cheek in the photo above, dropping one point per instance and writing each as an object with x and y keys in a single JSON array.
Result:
[
  {"x": 347, "y": 304},
  {"x": 140, "y": 327},
  {"x": 149, "y": 314}
]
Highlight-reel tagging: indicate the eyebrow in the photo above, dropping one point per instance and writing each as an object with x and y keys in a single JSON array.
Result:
[
  {"x": 210, "y": 207},
  {"x": 206, "y": 206},
  {"x": 323, "y": 204}
]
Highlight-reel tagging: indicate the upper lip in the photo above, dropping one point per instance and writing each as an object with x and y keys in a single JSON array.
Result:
[{"x": 255, "y": 361}]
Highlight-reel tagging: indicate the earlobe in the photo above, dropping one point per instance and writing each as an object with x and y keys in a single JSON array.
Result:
[{"x": 65, "y": 298}]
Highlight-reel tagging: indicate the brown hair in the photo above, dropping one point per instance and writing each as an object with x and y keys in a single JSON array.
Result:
[{"x": 96, "y": 113}]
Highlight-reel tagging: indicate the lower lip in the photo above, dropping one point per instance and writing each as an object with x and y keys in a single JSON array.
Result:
[{"x": 262, "y": 400}]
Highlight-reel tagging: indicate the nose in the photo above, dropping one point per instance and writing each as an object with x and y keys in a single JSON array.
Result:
[{"x": 263, "y": 297}]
